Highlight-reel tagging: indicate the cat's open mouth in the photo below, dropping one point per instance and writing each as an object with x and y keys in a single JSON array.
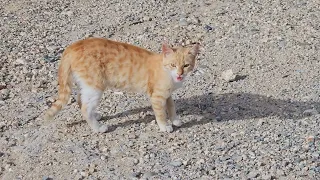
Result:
[{"x": 179, "y": 78}]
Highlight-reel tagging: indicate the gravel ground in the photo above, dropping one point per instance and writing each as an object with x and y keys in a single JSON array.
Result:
[{"x": 250, "y": 110}]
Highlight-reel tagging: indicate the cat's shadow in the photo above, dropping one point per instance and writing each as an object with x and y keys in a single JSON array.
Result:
[{"x": 224, "y": 107}]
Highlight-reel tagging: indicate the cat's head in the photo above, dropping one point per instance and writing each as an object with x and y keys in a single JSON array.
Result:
[{"x": 179, "y": 61}]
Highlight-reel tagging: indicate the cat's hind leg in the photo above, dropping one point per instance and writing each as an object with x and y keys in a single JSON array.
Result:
[
  {"x": 90, "y": 98},
  {"x": 97, "y": 115}
]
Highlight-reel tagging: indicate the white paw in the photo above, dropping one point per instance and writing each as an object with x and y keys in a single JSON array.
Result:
[
  {"x": 97, "y": 116},
  {"x": 177, "y": 122},
  {"x": 166, "y": 128},
  {"x": 95, "y": 129},
  {"x": 103, "y": 128}
]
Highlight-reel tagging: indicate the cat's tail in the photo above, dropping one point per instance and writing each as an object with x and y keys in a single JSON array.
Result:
[{"x": 64, "y": 91}]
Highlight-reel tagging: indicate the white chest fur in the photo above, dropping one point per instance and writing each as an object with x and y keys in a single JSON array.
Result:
[{"x": 177, "y": 85}]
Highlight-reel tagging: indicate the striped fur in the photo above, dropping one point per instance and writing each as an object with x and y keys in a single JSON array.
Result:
[{"x": 96, "y": 64}]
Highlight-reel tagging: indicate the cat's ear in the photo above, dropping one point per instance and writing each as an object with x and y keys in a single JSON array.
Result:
[
  {"x": 166, "y": 50},
  {"x": 194, "y": 50}
]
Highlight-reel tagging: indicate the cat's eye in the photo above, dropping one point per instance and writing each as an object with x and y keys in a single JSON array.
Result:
[
  {"x": 173, "y": 65},
  {"x": 186, "y": 65}
]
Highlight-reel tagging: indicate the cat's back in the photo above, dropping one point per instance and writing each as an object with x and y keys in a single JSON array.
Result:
[
  {"x": 93, "y": 43},
  {"x": 104, "y": 46},
  {"x": 109, "y": 63}
]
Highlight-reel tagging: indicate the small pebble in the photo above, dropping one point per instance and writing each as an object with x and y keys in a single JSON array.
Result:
[
  {"x": 310, "y": 112},
  {"x": 266, "y": 177},
  {"x": 2, "y": 87},
  {"x": 253, "y": 174},
  {"x": 280, "y": 172},
  {"x": 135, "y": 161},
  {"x": 147, "y": 18},
  {"x": 103, "y": 157},
  {"x": 118, "y": 93},
  {"x": 46, "y": 178},
  {"x": 92, "y": 168},
  {"x": 48, "y": 58},
  {"x": 84, "y": 173},
  {"x": 68, "y": 13},
  {"x": 176, "y": 163},
  {"x": 20, "y": 61},
  {"x": 183, "y": 22},
  {"x": 208, "y": 28},
  {"x": 135, "y": 174},
  {"x": 228, "y": 75},
  {"x": 201, "y": 161},
  {"x": 148, "y": 174}
]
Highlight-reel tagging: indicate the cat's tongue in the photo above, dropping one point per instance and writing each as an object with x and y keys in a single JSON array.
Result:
[{"x": 179, "y": 78}]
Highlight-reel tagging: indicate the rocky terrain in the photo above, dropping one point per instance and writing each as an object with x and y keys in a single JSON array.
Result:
[{"x": 250, "y": 109}]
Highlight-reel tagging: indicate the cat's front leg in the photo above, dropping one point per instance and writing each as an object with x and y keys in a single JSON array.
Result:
[
  {"x": 172, "y": 112},
  {"x": 159, "y": 108}
]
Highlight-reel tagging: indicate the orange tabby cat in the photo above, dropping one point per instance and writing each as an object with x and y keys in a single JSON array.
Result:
[{"x": 96, "y": 64}]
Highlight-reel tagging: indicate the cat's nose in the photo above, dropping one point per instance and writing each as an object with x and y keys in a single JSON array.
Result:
[{"x": 179, "y": 73}]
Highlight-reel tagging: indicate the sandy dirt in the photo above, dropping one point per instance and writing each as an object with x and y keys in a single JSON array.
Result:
[{"x": 249, "y": 111}]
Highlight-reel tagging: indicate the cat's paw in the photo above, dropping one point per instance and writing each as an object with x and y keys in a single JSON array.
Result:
[
  {"x": 177, "y": 122},
  {"x": 97, "y": 128},
  {"x": 166, "y": 128},
  {"x": 103, "y": 128},
  {"x": 169, "y": 128},
  {"x": 97, "y": 116}
]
